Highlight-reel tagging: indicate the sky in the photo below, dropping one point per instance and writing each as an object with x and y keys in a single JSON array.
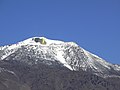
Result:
[{"x": 93, "y": 24}]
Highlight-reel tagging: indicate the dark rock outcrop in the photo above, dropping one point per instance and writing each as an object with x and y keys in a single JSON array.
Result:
[{"x": 16, "y": 75}]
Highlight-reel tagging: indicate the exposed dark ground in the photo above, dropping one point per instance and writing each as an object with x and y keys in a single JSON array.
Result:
[{"x": 44, "y": 77}]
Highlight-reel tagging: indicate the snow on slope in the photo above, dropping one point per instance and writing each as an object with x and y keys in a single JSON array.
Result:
[
  {"x": 31, "y": 41},
  {"x": 67, "y": 53}
]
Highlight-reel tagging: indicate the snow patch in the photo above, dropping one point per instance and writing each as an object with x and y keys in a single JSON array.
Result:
[{"x": 62, "y": 60}]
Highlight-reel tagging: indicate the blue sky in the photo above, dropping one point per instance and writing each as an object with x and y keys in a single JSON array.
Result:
[{"x": 93, "y": 24}]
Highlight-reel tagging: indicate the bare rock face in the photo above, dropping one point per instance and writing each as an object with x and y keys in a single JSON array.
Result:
[
  {"x": 10, "y": 81},
  {"x": 39, "y": 63},
  {"x": 20, "y": 76}
]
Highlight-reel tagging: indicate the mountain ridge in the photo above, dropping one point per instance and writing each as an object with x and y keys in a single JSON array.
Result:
[
  {"x": 39, "y": 63},
  {"x": 67, "y": 54}
]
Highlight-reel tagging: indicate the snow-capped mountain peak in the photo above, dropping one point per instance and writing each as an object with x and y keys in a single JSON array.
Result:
[
  {"x": 39, "y": 45},
  {"x": 54, "y": 52},
  {"x": 33, "y": 41}
]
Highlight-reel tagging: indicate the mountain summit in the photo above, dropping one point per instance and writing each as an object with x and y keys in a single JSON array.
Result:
[{"x": 58, "y": 54}]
